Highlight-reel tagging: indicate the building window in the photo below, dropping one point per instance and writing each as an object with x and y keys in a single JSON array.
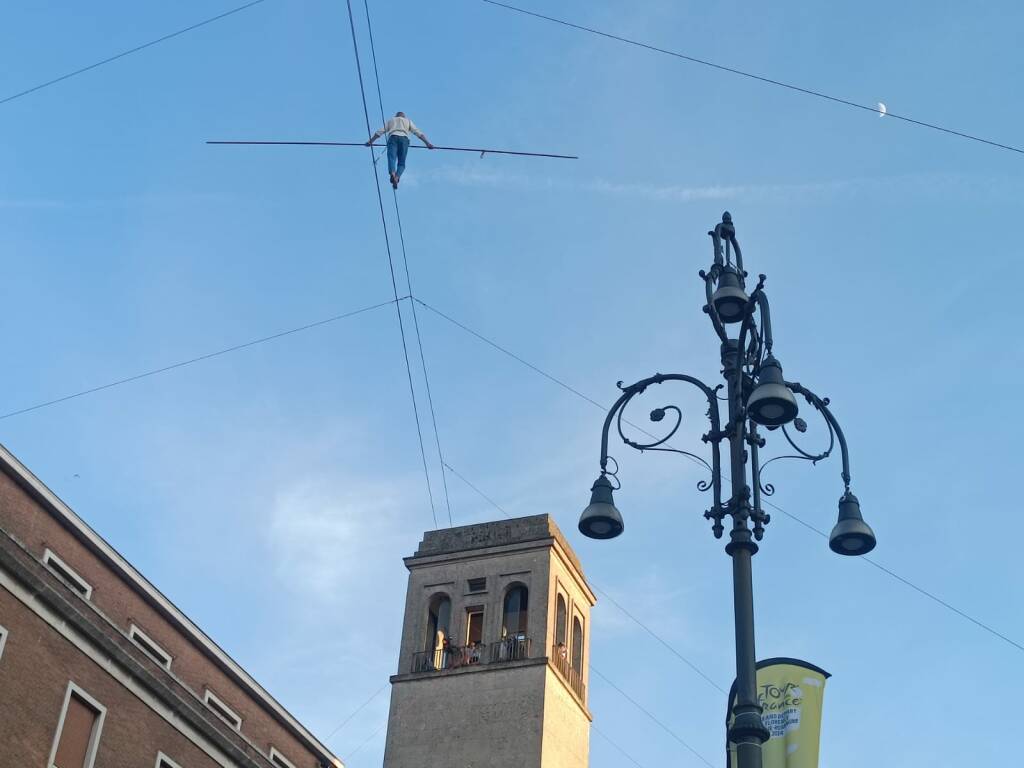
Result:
[
  {"x": 577, "y": 644},
  {"x": 474, "y": 625},
  {"x": 163, "y": 761},
  {"x": 222, "y": 710},
  {"x": 149, "y": 647},
  {"x": 439, "y": 619},
  {"x": 3, "y": 640},
  {"x": 478, "y": 585},
  {"x": 280, "y": 760},
  {"x": 78, "y": 730},
  {"x": 67, "y": 574},
  {"x": 560, "y": 626},
  {"x": 514, "y": 622}
]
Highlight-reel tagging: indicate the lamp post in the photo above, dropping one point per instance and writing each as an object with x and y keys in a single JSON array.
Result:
[{"x": 758, "y": 396}]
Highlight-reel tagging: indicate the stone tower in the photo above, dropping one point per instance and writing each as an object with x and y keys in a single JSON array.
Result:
[{"x": 495, "y": 650}]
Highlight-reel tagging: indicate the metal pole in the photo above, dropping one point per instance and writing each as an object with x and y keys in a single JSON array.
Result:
[{"x": 747, "y": 732}]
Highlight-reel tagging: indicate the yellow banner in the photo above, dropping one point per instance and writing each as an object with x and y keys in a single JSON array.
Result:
[{"x": 792, "y": 693}]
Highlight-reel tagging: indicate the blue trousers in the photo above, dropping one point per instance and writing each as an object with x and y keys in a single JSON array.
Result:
[{"x": 398, "y": 147}]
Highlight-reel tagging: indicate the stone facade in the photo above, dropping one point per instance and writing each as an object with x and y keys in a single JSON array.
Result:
[
  {"x": 54, "y": 636},
  {"x": 517, "y": 700}
]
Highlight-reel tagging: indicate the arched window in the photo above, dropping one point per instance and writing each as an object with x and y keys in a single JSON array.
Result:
[
  {"x": 439, "y": 619},
  {"x": 513, "y": 621},
  {"x": 577, "y": 644},
  {"x": 560, "y": 626}
]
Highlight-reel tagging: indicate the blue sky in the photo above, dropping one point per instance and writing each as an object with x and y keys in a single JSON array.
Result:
[{"x": 272, "y": 492}]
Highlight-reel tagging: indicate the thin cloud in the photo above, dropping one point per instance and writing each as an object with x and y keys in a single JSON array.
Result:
[
  {"x": 324, "y": 533},
  {"x": 676, "y": 193},
  {"x": 126, "y": 201},
  {"x": 476, "y": 176},
  {"x": 30, "y": 204},
  {"x": 945, "y": 185}
]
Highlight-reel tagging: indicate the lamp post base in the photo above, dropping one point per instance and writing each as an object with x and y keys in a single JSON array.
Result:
[{"x": 748, "y": 755}]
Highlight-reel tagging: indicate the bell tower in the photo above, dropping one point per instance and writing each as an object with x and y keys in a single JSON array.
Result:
[{"x": 493, "y": 667}]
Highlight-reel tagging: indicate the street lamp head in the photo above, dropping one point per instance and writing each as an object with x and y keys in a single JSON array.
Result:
[
  {"x": 601, "y": 520},
  {"x": 771, "y": 403},
  {"x": 730, "y": 299},
  {"x": 851, "y": 536}
]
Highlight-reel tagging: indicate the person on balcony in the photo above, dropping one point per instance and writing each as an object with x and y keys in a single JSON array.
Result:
[
  {"x": 454, "y": 655},
  {"x": 563, "y": 652}
]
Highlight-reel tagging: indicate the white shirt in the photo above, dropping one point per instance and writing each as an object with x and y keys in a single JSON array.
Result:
[{"x": 400, "y": 126}]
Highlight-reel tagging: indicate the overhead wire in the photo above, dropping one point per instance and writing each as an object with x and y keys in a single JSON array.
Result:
[
  {"x": 870, "y": 561},
  {"x": 753, "y": 76},
  {"x": 653, "y": 718},
  {"x": 408, "y": 280},
  {"x": 668, "y": 646},
  {"x": 365, "y": 741},
  {"x": 200, "y": 358},
  {"x": 906, "y": 582},
  {"x": 605, "y": 736},
  {"x": 355, "y": 712},
  {"x": 130, "y": 51},
  {"x": 391, "y": 266},
  {"x": 511, "y": 354}
]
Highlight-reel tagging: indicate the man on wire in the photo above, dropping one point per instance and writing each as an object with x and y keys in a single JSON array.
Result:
[{"x": 398, "y": 129}]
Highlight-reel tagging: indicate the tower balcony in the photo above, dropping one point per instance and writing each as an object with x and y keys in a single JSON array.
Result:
[
  {"x": 514, "y": 648},
  {"x": 571, "y": 675}
]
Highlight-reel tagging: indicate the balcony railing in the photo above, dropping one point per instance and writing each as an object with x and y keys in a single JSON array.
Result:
[
  {"x": 454, "y": 657},
  {"x": 511, "y": 649},
  {"x": 573, "y": 676},
  {"x": 451, "y": 657}
]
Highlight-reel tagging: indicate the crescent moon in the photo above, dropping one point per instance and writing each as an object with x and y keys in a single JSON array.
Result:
[{"x": 882, "y": 111}]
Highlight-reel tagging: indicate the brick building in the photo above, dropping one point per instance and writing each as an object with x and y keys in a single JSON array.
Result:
[{"x": 99, "y": 670}]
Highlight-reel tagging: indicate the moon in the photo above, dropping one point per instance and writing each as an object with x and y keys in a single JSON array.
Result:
[{"x": 882, "y": 110}]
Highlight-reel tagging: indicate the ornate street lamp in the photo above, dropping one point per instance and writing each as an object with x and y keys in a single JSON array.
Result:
[{"x": 757, "y": 394}]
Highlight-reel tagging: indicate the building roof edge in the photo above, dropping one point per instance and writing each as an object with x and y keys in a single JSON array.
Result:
[{"x": 53, "y": 504}]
